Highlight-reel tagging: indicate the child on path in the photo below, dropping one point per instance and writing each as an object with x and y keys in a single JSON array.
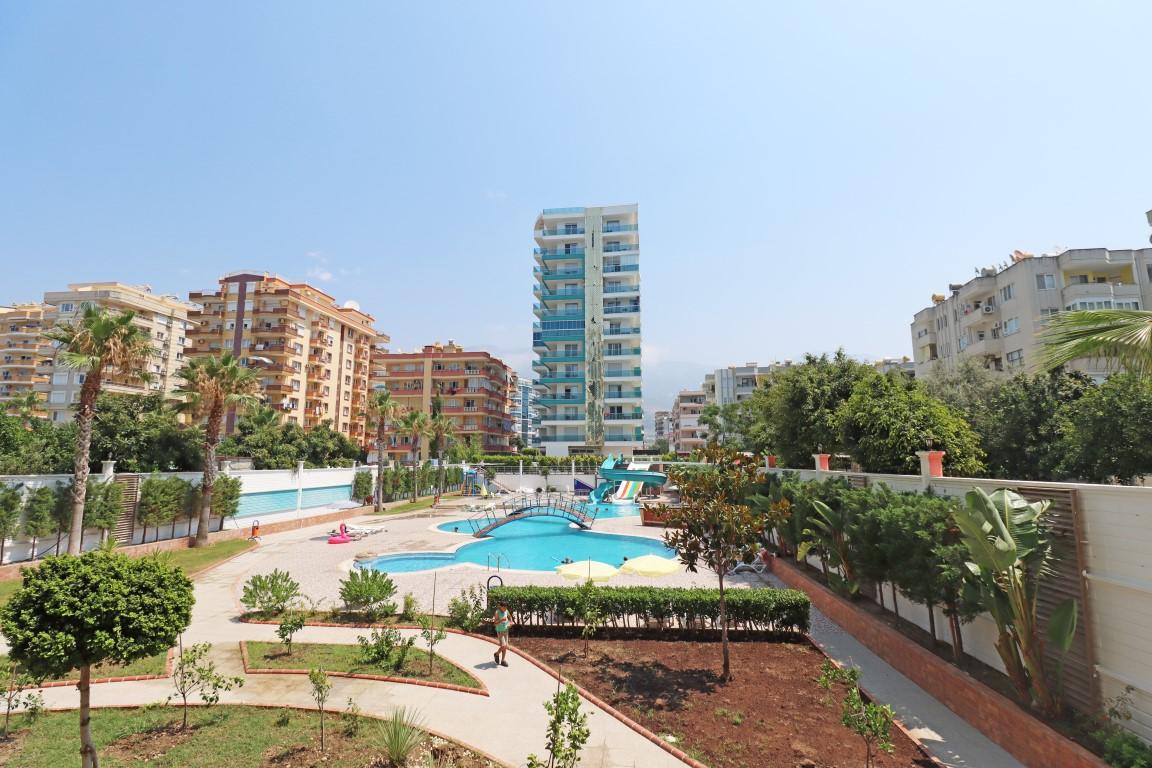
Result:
[{"x": 502, "y": 620}]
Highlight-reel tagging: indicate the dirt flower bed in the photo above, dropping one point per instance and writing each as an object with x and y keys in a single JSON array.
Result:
[{"x": 772, "y": 714}]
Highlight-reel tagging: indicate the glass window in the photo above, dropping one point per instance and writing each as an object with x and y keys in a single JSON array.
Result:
[
  {"x": 1011, "y": 326},
  {"x": 1045, "y": 282},
  {"x": 1007, "y": 292}
]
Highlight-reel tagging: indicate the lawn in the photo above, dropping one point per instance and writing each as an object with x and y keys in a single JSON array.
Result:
[
  {"x": 196, "y": 559},
  {"x": 338, "y": 616},
  {"x": 7, "y": 589},
  {"x": 346, "y": 658},
  {"x": 772, "y": 714},
  {"x": 220, "y": 737},
  {"x": 149, "y": 665},
  {"x": 413, "y": 506}
]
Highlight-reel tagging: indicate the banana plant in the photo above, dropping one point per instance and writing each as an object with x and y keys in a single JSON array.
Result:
[
  {"x": 1010, "y": 553},
  {"x": 830, "y": 531}
]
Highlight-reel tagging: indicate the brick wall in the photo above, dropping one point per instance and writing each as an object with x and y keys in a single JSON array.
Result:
[{"x": 1001, "y": 720}]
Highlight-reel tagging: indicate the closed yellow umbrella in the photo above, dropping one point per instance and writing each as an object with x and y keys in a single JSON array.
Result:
[
  {"x": 651, "y": 565},
  {"x": 587, "y": 570}
]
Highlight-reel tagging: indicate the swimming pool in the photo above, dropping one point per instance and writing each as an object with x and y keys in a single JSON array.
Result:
[{"x": 531, "y": 544}]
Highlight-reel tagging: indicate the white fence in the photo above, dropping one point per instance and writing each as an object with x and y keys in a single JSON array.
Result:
[{"x": 1117, "y": 547}]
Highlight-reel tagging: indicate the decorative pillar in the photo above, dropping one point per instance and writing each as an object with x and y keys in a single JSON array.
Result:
[
  {"x": 771, "y": 461},
  {"x": 931, "y": 463},
  {"x": 108, "y": 469},
  {"x": 299, "y": 487},
  {"x": 821, "y": 461}
]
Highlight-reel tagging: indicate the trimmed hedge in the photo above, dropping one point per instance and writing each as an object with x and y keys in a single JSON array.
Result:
[{"x": 780, "y": 610}]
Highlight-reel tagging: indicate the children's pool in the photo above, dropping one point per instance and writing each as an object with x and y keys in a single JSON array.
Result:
[{"x": 531, "y": 544}]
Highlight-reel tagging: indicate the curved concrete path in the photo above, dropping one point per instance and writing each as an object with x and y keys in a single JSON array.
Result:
[{"x": 508, "y": 724}]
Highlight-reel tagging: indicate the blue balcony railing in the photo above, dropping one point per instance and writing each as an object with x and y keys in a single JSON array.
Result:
[
  {"x": 560, "y": 231},
  {"x": 620, "y": 227},
  {"x": 613, "y": 268},
  {"x": 622, "y": 331},
  {"x": 621, "y": 288},
  {"x": 626, "y": 373},
  {"x": 557, "y": 211},
  {"x": 621, "y": 248},
  {"x": 623, "y": 394},
  {"x": 624, "y": 351},
  {"x": 559, "y": 253},
  {"x": 621, "y": 310}
]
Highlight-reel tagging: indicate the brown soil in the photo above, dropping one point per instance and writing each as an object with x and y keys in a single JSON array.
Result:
[
  {"x": 150, "y": 745},
  {"x": 772, "y": 714},
  {"x": 344, "y": 753}
]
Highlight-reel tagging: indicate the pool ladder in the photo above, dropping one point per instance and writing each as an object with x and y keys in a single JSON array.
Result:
[{"x": 499, "y": 558}]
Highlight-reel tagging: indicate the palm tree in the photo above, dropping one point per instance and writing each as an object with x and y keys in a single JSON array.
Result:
[
  {"x": 381, "y": 410},
  {"x": 101, "y": 343},
  {"x": 212, "y": 386},
  {"x": 25, "y": 406},
  {"x": 415, "y": 425},
  {"x": 441, "y": 431},
  {"x": 261, "y": 417},
  {"x": 1123, "y": 335}
]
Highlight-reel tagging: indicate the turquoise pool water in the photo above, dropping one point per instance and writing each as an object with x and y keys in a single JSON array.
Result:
[{"x": 531, "y": 544}]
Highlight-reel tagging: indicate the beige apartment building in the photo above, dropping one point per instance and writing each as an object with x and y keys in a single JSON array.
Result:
[
  {"x": 687, "y": 432},
  {"x": 164, "y": 318},
  {"x": 476, "y": 391},
  {"x": 22, "y": 365},
  {"x": 312, "y": 355},
  {"x": 996, "y": 317}
]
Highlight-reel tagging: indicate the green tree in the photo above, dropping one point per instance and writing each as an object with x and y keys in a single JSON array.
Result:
[
  {"x": 142, "y": 433},
  {"x": 162, "y": 500},
  {"x": 713, "y": 526},
  {"x": 969, "y": 388},
  {"x": 325, "y": 447},
  {"x": 102, "y": 344},
  {"x": 11, "y": 502},
  {"x": 321, "y": 688},
  {"x": 382, "y": 410},
  {"x": 27, "y": 407},
  {"x": 889, "y": 417},
  {"x": 1121, "y": 336},
  {"x": 1030, "y": 424},
  {"x": 414, "y": 424},
  {"x": 195, "y": 672},
  {"x": 441, "y": 433},
  {"x": 39, "y": 515},
  {"x": 729, "y": 424},
  {"x": 568, "y": 730},
  {"x": 1110, "y": 438},
  {"x": 72, "y": 613},
  {"x": 794, "y": 412},
  {"x": 211, "y": 386}
]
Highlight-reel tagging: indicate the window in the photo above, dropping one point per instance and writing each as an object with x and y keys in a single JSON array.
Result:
[
  {"x": 60, "y": 378},
  {"x": 1007, "y": 292},
  {"x": 57, "y": 398},
  {"x": 1049, "y": 311},
  {"x": 1045, "y": 282},
  {"x": 1015, "y": 357},
  {"x": 1078, "y": 280},
  {"x": 70, "y": 307},
  {"x": 571, "y": 229},
  {"x": 1011, "y": 326}
]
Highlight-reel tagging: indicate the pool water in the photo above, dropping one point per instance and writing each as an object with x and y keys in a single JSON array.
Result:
[{"x": 531, "y": 544}]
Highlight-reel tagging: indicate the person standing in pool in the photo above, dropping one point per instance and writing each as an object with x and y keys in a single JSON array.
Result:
[{"x": 502, "y": 620}]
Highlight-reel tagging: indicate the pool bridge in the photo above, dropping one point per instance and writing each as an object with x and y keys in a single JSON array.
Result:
[{"x": 560, "y": 505}]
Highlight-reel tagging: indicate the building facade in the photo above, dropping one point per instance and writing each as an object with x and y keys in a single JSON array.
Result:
[
  {"x": 23, "y": 351},
  {"x": 687, "y": 432},
  {"x": 312, "y": 355},
  {"x": 587, "y": 336},
  {"x": 474, "y": 389},
  {"x": 662, "y": 426},
  {"x": 735, "y": 383},
  {"x": 525, "y": 415},
  {"x": 165, "y": 319},
  {"x": 996, "y": 318}
]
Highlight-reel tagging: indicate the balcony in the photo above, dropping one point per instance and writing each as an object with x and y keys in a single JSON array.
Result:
[
  {"x": 560, "y": 232},
  {"x": 622, "y": 288},
  {"x": 579, "y": 379},
  {"x": 548, "y": 254},
  {"x": 636, "y": 415},
  {"x": 1111, "y": 292},
  {"x": 562, "y": 417},
  {"x": 559, "y": 274},
  {"x": 621, "y": 248},
  {"x": 557, "y": 399},
  {"x": 561, "y": 293},
  {"x": 577, "y": 438},
  {"x": 622, "y": 332},
  {"x": 625, "y": 352},
  {"x": 564, "y": 357},
  {"x": 624, "y": 374},
  {"x": 613, "y": 268},
  {"x": 609, "y": 228},
  {"x": 629, "y": 309},
  {"x": 627, "y": 394},
  {"x": 565, "y": 314}
]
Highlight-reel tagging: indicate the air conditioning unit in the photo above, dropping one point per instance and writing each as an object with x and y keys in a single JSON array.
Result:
[{"x": 988, "y": 309}]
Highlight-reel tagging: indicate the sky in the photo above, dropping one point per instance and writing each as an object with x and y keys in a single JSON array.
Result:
[{"x": 808, "y": 174}]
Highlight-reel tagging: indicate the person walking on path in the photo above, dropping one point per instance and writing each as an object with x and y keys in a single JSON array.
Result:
[{"x": 502, "y": 620}]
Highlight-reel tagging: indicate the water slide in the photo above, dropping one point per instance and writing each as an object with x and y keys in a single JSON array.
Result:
[{"x": 621, "y": 483}]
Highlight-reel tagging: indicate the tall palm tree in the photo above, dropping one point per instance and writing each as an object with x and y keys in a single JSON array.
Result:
[
  {"x": 99, "y": 344},
  {"x": 26, "y": 407},
  {"x": 415, "y": 425},
  {"x": 261, "y": 417},
  {"x": 1123, "y": 335},
  {"x": 381, "y": 410},
  {"x": 441, "y": 431},
  {"x": 212, "y": 386}
]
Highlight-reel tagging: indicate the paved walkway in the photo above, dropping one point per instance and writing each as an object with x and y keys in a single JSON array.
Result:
[{"x": 509, "y": 724}]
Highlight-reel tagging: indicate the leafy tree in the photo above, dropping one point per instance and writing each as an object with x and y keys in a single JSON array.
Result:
[
  {"x": 568, "y": 730},
  {"x": 832, "y": 531},
  {"x": 27, "y": 407},
  {"x": 325, "y": 447},
  {"x": 321, "y": 688},
  {"x": 39, "y": 515},
  {"x": 72, "y": 613},
  {"x": 195, "y": 672},
  {"x": 889, "y": 417},
  {"x": 382, "y": 409},
  {"x": 969, "y": 388},
  {"x": 143, "y": 434},
  {"x": 291, "y": 622},
  {"x": 361, "y": 486},
  {"x": 270, "y": 593},
  {"x": 162, "y": 499},
  {"x": 14, "y": 684},
  {"x": 11, "y": 502},
  {"x": 102, "y": 507},
  {"x": 368, "y": 592},
  {"x": 1031, "y": 424},
  {"x": 728, "y": 424},
  {"x": 870, "y": 721},
  {"x": 102, "y": 344},
  {"x": 432, "y": 634},
  {"x": 713, "y": 526},
  {"x": 415, "y": 425},
  {"x": 211, "y": 386},
  {"x": 794, "y": 412},
  {"x": 225, "y": 498},
  {"x": 1111, "y": 432},
  {"x": 441, "y": 433}
]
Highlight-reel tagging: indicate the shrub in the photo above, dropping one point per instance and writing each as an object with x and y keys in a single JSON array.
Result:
[
  {"x": 368, "y": 591},
  {"x": 225, "y": 497},
  {"x": 270, "y": 592},
  {"x": 400, "y": 735},
  {"x": 378, "y": 648},
  {"x": 361, "y": 486},
  {"x": 411, "y": 607},
  {"x": 467, "y": 611},
  {"x": 781, "y": 610},
  {"x": 162, "y": 499}
]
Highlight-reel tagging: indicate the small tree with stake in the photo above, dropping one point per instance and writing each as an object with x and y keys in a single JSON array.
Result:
[
  {"x": 194, "y": 672},
  {"x": 14, "y": 682},
  {"x": 567, "y": 730},
  {"x": 713, "y": 526},
  {"x": 74, "y": 612},
  {"x": 321, "y": 688}
]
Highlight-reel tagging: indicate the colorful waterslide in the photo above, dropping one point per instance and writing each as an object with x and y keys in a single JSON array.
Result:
[{"x": 621, "y": 481}]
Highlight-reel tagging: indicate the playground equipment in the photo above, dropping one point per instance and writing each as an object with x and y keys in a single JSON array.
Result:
[{"x": 621, "y": 481}]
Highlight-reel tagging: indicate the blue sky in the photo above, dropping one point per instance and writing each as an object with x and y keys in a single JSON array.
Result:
[{"x": 807, "y": 173}]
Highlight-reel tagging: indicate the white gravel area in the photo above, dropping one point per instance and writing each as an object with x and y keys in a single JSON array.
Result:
[{"x": 319, "y": 566}]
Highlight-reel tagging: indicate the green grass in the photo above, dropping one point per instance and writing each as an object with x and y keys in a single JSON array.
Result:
[
  {"x": 196, "y": 559},
  {"x": 346, "y": 658},
  {"x": 414, "y": 506},
  {"x": 344, "y": 617},
  {"x": 149, "y": 665},
  {"x": 7, "y": 589},
  {"x": 217, "y": 736}
]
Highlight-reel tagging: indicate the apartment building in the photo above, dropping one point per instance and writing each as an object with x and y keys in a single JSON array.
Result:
[
  {"x": 587, "y": 334},
  {"x": 663, "y": 426},
  {"x": 903, "y": 364},
  {"x": 475, "y": 390},
  {"x": 996, "y": 317},
  {"x": 164, "y": 318},
  {"x": 688, "y": 434},
  {"x": 313, "y": 356},
  {"x": 525, "y": 414},
  {"x": 22, "y": 350},
  {"x": 735, "y": 383}
]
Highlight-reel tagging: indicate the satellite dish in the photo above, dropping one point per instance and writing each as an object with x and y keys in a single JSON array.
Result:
[{"x": 352, "y": 305}]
